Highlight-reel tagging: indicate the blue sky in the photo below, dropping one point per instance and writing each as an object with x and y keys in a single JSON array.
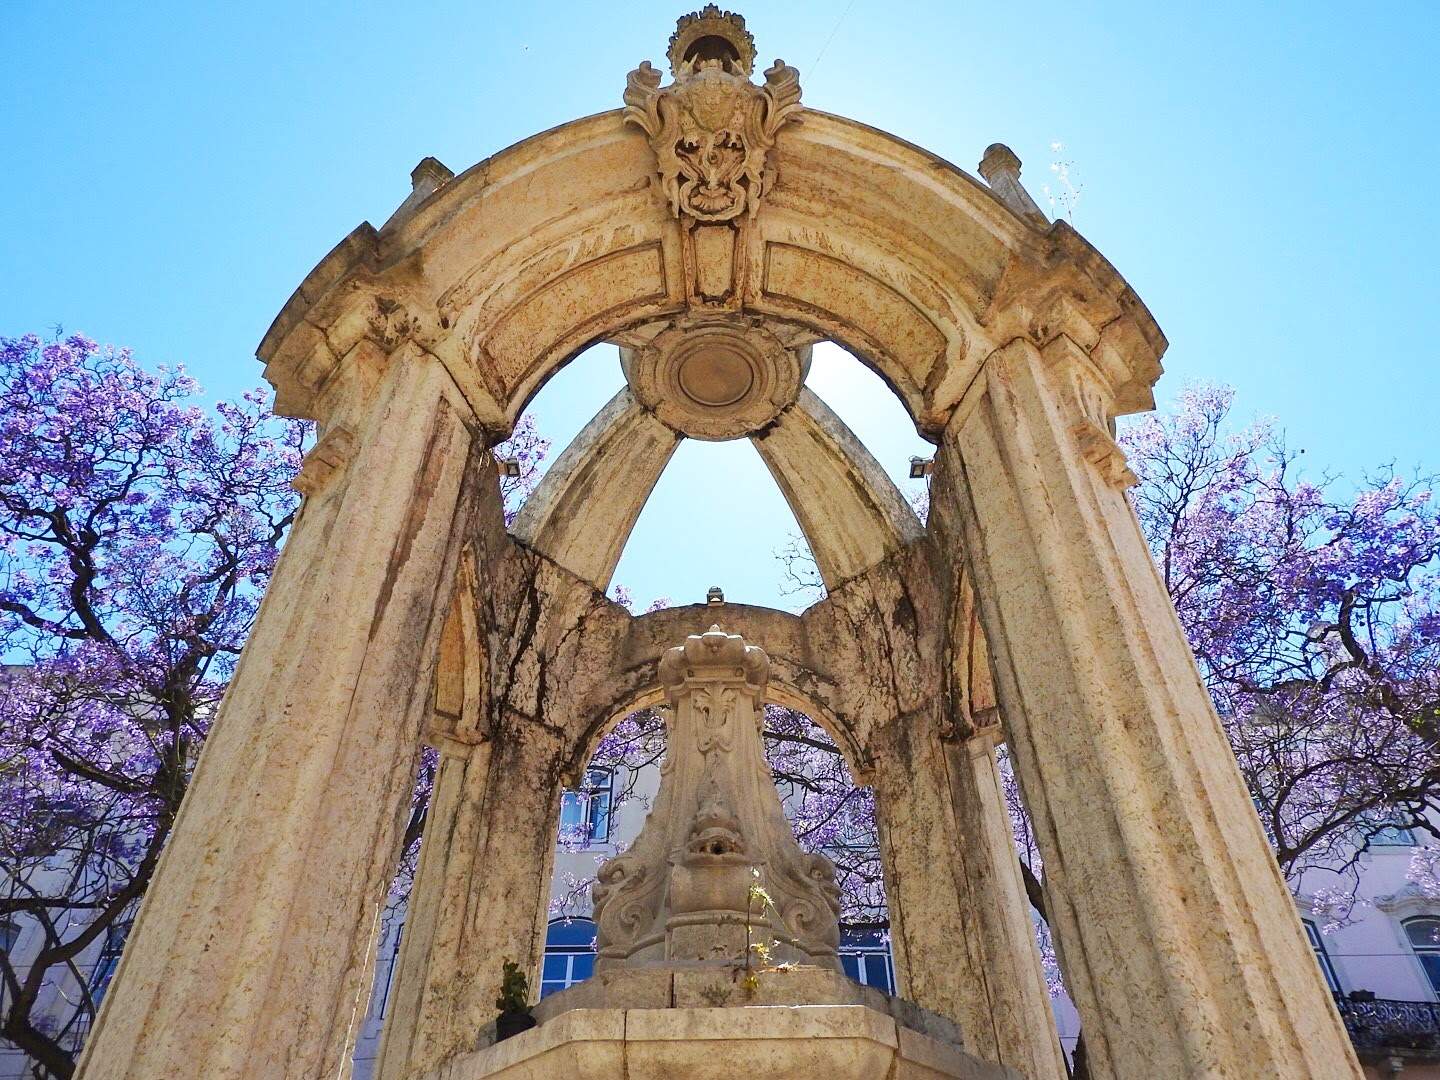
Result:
[{"x": 1263, "y": 175}]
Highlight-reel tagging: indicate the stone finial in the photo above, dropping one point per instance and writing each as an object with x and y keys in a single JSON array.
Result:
[
  {"x": 426, "y": 178},
  {"x": 682, "y": 893},
  {"x": 715, "y": 596},
  {"x": 711, "y": 655},
  {"x": 999, "y": 159},
  {"x": 1001, "y": 169},
  {"x": 431, "y": 174},
  {"x": 711, "y": 35}
]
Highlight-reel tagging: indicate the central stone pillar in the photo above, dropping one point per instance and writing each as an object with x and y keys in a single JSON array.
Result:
[
  {"x": 692, "y": 888},
  {"x": 679, "y": 989},
  {"x": 1176, "y": 934}
]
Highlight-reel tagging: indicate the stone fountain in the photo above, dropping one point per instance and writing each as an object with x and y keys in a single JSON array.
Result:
[{"x": 717, "y": 934}]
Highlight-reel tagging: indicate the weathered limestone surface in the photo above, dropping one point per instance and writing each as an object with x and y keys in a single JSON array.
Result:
[
  {"x": 252, "y": 952},
  {"x": 732, "y": 236},
  {"x": 584, "y": 509},
  {"x": 1179, "y": 940},
  {"x": 848, "y": 508},
  {"x": 541, "y": 637},
  {"x": 757, "y": 1043},
  {"x": 693, "y": 987},
  {"x": 960, "y": 929}
]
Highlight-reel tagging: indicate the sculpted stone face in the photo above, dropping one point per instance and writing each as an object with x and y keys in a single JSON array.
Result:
[
  {"x": 715, "y": 168},
  {"x": 711, "y": 131}
]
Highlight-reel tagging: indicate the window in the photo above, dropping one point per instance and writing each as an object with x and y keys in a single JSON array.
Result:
[
  {"x": 390, "y": 974},
  {"x": 1393, "y": 836},
  {"x": 1424, "y": 935},
  {"x": 569, "y": 954},
  {"x": 1321, "y": 956},
  {"x": 865, "y": 956},
  {"x": 115, "y": 935},
  {"x": 9, "y": 935},
  {"x": 1383, "y": 828},
  {"x": 585, "y": 814}
]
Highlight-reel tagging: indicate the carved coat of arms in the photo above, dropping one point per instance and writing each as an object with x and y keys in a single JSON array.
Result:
[{"x": 711, "y": 131}]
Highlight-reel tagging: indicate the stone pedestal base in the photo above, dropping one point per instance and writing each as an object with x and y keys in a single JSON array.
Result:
[{"x": 758, "y": 1042}]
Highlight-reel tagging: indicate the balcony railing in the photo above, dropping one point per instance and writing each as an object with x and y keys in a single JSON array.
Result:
[{"x": 1383, "y": 1026}]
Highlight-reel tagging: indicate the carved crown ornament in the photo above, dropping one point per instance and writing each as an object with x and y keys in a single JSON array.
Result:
[{"x": 712, "y": 129}]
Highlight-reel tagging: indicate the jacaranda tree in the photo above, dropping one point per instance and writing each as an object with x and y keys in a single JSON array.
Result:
[
  {"x": 138, "y": 532},
  {"x": 1313, "y": 607},
  {"x": 138, "y": 535}
]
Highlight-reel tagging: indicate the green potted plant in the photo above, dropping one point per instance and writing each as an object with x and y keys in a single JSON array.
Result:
[{"x": 513, "y": 1003}]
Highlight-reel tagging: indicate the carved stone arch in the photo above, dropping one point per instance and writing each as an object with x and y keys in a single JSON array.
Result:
[
  {"x": 583, "y": 511},
  {"x": 511, "y": 268},
  {"x": 585, "y": 508},
  {"x": 850, "y": 511},
  {"x": 796, "y": 681}
]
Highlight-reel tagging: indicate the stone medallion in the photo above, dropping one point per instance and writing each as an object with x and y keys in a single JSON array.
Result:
[{"x": 715, "y": 380}]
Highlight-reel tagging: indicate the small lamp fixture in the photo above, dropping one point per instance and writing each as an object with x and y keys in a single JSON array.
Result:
[
  {"x": 714, "y": 598},
  {"x": 921, "y": 467},
  {"x": 508, "y": 467}
]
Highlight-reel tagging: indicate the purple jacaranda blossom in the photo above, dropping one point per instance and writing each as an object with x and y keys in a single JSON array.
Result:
[
  {"x": 137, "y": 534},
  {"x": 1311, "y": 606}
]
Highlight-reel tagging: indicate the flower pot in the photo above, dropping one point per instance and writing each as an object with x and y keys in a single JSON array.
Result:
[{"x": 512, "y": 1023}]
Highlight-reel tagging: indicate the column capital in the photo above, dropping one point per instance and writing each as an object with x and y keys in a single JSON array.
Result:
[{"x": 712, "y": 657}]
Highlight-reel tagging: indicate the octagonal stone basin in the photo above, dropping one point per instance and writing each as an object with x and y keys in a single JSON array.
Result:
[
  {"x": 761, "y": 1042},
  {"x": 698, "y": 1022}
]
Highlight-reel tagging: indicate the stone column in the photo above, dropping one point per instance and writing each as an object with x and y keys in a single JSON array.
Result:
[
  {"x": 1177, "y": 936},
  {"x": 962, "y": 940},
  {"x": 481, "y": 893},
  {"x": 253, "y": 951}
]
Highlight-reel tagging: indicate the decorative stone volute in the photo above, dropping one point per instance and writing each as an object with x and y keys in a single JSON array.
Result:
[
  {"x": 712, "y": 128},
  {"x": 682, "y": 893}
]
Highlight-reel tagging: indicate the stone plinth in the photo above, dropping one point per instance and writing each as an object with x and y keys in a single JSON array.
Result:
[
  {"x": 693, "y": 986},
  {"x": 764, "y": 1042}
]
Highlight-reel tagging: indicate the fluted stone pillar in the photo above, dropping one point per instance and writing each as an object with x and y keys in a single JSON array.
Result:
[
  {"x": 962, "y": 941},
  {"x": 481, "y": 892},
  {"x": 253, "y": 951},
  {"x": 1177, "y": 936}
]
